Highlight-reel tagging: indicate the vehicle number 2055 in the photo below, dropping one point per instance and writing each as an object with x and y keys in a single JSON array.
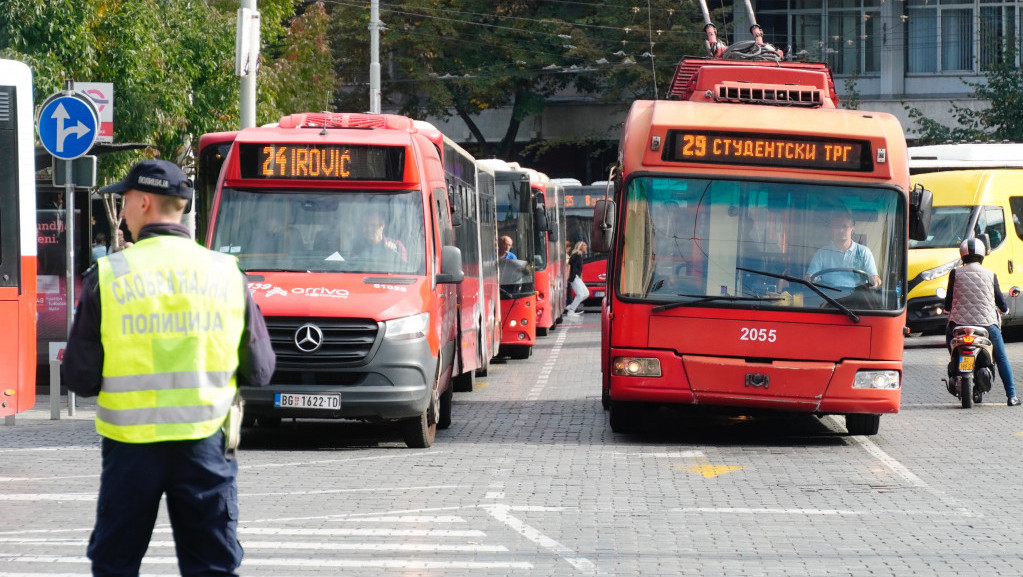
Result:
[{"x": 762, "y": 335}]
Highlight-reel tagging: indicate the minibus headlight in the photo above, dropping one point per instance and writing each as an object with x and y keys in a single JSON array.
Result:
[
  {"x": 939, "y": 271},
  {"x": 636, "y": 367},
  {"x": 876, "y": 380},
  {"x": 412, "y": 327}
]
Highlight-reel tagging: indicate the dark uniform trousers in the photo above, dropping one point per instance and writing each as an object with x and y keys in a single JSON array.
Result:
[{"x": 202, "y": 501}]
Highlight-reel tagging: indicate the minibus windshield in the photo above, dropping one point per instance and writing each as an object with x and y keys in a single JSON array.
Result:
[{"x": 311, "y": 231}]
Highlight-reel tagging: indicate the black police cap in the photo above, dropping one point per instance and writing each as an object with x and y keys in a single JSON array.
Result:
[{"x": 156, "y": 176}]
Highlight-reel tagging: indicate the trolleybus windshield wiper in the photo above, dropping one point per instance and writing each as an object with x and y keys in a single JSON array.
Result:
[
  {"x": 812, "y": 286},
  {"x": 708, "y": 298}
]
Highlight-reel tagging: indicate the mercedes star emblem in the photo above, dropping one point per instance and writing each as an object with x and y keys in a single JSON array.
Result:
[{"x": 308, "y": 338}]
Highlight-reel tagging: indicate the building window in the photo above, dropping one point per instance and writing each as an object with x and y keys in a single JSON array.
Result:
[
  {"x": 997, "y": 33},
  {"x": 844, "y": 33},
  {"x": 957, "y": 36}
]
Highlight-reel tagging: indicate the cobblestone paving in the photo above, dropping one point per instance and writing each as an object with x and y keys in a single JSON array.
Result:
[{"x": 530, "y": 480}]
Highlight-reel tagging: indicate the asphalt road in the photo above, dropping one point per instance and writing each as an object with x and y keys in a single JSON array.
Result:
[{"x": 530, "y": 480}]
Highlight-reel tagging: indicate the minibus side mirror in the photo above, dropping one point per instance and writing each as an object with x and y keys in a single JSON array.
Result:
[
  {"x": 921, "y": 202},
  {"x": 450, "y": 266},
  {"x": 603, "y": 225}
]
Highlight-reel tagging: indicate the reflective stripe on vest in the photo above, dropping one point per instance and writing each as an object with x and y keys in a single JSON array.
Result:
[{"x": 172, "y": 316}]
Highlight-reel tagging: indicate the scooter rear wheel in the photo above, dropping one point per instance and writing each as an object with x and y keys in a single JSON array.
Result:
[{"x": 966, "y": 391}]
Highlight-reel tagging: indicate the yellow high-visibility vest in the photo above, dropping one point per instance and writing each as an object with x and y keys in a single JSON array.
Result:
[{"x": 172, "y": 316}]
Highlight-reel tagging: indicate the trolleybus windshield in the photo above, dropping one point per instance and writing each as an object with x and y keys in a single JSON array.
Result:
[
  {"x": 754, "y": 244},
  {"x": 515, "y": 220},
  {"x": 304, "y": 231}
]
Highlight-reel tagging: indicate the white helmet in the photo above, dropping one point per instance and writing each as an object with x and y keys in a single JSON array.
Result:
[{"x": 972, "y": 246}]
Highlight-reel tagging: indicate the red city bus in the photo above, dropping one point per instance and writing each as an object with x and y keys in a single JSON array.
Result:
[
  {"x": 343, "y": 226},
  {"x": 517, "y": 219},
  {"x": 474, "y": 213},
  {"x": 549, "y": 255},
  {"x": 718, "y": 292},
  {"x": 17, "y": 240},
  {"x": 579, "y": 202}
]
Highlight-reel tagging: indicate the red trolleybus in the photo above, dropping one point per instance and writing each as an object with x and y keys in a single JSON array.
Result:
[
  {"x": 517, "y": 220},
  {"x": 342, "y": 224},
  {"x": 579, "y": 202},
  {"x": 549, "y": 256},
  {"x": 728, "y": 284},
  {"x": 474, "y": 218},
  {"x": 17, "y": 240}
]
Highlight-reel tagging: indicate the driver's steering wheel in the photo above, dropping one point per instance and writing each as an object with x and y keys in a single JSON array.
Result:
[{"x": 817, "y": 276}]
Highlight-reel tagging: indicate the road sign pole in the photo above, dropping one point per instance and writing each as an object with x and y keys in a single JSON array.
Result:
[{"x": 69, "y": 241}]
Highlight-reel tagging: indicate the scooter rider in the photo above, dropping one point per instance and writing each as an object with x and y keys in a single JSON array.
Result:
[{"x": 973, "y": 298}]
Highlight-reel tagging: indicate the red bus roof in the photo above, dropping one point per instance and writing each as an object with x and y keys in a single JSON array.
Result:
[{"x": 788, "y": 83}]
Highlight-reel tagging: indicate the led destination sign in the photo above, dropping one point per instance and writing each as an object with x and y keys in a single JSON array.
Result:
[
  {"x": 760, "y": 150},
  {"x": 322, "y": 162}
]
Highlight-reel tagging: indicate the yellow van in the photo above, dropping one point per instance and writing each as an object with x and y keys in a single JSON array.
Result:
[{"x": 984, "y": 203}]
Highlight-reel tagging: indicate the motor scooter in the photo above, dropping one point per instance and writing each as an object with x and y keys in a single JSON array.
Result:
[{"x": 971, "y": 367}]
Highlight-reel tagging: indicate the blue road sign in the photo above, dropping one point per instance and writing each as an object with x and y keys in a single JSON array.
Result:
[{"x": 68, "y": 125}]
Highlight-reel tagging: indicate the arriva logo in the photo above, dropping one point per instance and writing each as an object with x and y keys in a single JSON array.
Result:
[
  {"x": 276, "y": 291},
  {"x": 321, "y": 292}
]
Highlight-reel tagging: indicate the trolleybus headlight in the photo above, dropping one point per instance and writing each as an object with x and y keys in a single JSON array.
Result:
[
  {"x": 636, "y": 367},
  {"x": 405, "y": 328},
  {"x": 939, "y": 271},
  {"x": 876, "y": 380},
  {"x": 940, "y": 292},
  {"x": 512, "y": 323}
]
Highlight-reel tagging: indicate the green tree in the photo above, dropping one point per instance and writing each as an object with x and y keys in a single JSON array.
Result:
[
  {"x": 443, "y": 58},
  {"x": 303, "y": 76}
]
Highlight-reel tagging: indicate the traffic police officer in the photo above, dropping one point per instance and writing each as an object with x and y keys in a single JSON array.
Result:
[{"x": 163, "y": 333}]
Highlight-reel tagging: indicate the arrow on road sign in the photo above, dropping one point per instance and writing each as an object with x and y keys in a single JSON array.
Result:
[{"x": 61, "y": 116}]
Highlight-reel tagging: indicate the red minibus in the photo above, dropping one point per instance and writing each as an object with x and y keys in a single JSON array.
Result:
[
  {"x": 730, "y": 280},
  {"x": 343, "y": 225},
  {"x": 17, "y": 240}
]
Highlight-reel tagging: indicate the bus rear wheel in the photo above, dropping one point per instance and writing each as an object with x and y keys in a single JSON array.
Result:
[{"x": 860, "y": 424}]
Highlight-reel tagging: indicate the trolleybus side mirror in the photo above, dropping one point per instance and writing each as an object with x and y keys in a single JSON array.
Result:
[
  {"x": 450, "y": 266},
  {"x": 603, "y": 225},
  {"x": 455, "y": 199},
  {"x": 920, "y": 204},
  {"x": 552, "y": 231},
  {"x": 540, "y": 219}
]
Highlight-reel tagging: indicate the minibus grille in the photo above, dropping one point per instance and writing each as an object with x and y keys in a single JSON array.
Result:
[{"x": 343, "y": 342}]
